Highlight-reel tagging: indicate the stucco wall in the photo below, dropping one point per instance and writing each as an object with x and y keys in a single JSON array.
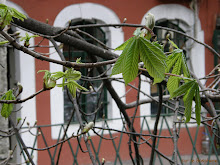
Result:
[{"x": 4, "y": 143}]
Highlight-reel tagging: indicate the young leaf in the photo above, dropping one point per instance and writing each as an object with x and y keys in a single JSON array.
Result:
[
  {"x": 184, "y": 66},
  {"x": 72, "y": 86},
  {"x": 72, "y": 74},
  {"x": 78, "y": 86},
  {"x": 119, "y": 65},
  {"x": 188, "y": 98},
  {"x": 4, "y": 42},
  {"x": 154, "y": 65},
  {"x": 7, "y": 14},
  {"x": 58, "y": 75},
  {"x": 122, "y": 46},
  {"x": 171, "y": 60},
  {"x": 198, "y": 106},
  {"x": 130, "y": 70},
  {"x": 7, "y": 108},
  {"x": 17, "y": 14},
  {"x": 176, "y": 62},
  {"x": 157, "y": 51},
  {"x": 174, "y": 45},
  {"x": 173, "y": 82},
  {"x": 182, "y": 89}
]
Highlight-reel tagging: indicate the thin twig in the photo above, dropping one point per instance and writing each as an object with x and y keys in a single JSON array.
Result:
[
  {"x": 175, "y": 137},
  {"x": 156, "y": 123},
  {"x": 21, "y": 141},
  {"x": 84, "y": 136}
]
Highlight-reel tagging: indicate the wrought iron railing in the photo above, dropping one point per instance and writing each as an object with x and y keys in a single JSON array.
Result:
[{"x": 194, "y": 156}]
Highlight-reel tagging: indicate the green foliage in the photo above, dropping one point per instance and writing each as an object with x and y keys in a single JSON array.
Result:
[
  {"x": 7, "y": 108},
  {"x": 49, "y": 80},
  {"x": 140, "y": 48},
  {"x": 4, "y": 42},
  {"x": 177, "y": 63},
  {"x": 190, "y": 90},
  {"x": 70, "y": 76},
  {"x": 7, "y": 14},
  {"x": 135, "y": 49},
  {"x": 27, "y": 38}
]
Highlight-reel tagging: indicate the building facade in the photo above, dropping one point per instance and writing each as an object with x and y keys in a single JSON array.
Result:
[{"x": 48, "y": 108}]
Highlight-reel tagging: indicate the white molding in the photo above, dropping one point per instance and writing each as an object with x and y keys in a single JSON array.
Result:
[
  {"x": 25, "y": 73},
  {"x": 197, "y": 53},
  {"x": 115, "y": 37}
]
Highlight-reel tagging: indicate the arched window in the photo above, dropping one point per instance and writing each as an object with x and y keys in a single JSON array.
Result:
[{"x": 96, "y": 99}]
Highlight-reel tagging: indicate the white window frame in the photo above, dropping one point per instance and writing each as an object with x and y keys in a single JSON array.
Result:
[
  {"x": 115, "y": 37},
  {"x": 197, "y": 52}
]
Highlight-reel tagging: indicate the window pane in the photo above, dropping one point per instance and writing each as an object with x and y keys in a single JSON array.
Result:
[{"x": 96, "y": 99}]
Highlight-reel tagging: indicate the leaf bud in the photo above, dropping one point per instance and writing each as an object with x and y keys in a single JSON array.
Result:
[
  {"x": 88, "y": 126},
  {"x": 150, "y": 21},
  {"x": 103, "y": 160},
  {"x": 49, "y": 83}
]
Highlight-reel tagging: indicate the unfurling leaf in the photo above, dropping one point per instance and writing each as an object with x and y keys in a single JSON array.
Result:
[
  {"x": 7, "y": 14},
  {"x": 198, "y": 106},
  {"x": 49, "y": 83},
  {"x": 4, "y": 42},
  {"x": 7, "y": 108},
  {"x": 49, "y": 80},
  {"x": 72, "y": 74},
  {"x": 177, "y": 63},
  {"x": 72, "y": 86},
  {"x": 27, "y": 38}
]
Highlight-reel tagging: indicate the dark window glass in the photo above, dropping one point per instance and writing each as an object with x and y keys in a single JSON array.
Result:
[{"x": 97, "y": 99}]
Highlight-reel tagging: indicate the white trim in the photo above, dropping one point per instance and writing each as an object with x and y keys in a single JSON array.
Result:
[
  {"x": 197, "y": 53},
  {"x": 25, "y": 73},
  {"x": 115, "y": 38}
]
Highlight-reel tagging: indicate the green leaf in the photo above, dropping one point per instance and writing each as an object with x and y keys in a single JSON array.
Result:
[
  {"x": 173, "y": 82},
  {"x": 130, "y": 70},
  {"x": 182, "y": 89},
  {"x": 188, "y": 98},
  {"x": 7, "y": 108},
  {"x": 72, "y": 74},
  {"x": 171, "y": 60},
  {"x": 154, "y": 65},
  {"x": 17, "y": 14},
  {"x": 158, "y": 45},
  {"x": 79, "y": 86},
  {"x": 72, "y": 86},
  {"x": 177, "y": 62},
  {"x": 4, "y": 42},
  {"x": 2, "y": 6},
  {"x": 78, "y": 60},
  {"x": 119, "y": 65},
  {"x": 47, "y": 74},
  {"x": 174, "y": 45},
  {"x": 7, "y": 14},
  {"x": 198, "y": 106},
  {"x": 184, "y": 66},
  {"x": 58, "y": 75},
  {"x": 157, "y": 51},
  {"x": 72, "y": 89},
  {"x": 122, "y": 46}
]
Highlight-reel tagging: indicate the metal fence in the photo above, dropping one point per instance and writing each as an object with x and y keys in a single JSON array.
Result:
[{"x": 193, "y": 157}]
